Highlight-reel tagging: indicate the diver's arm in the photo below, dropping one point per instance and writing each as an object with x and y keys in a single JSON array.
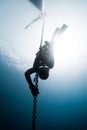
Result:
[
  {"x": 34, "y": 90},
  {"x": 27, "y": 76}
]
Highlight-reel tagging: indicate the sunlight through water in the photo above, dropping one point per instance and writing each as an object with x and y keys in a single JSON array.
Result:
[{"x": 68, "y": 49}]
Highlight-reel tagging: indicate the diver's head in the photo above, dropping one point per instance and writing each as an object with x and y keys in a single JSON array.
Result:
[{"x": 44, "y": 72}]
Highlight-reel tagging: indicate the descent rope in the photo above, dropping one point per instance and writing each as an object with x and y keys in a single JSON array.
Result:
[{"x": 34, "y": 112}]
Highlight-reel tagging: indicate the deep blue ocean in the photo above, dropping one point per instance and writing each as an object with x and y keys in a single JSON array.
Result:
[{"x": 56, "y": 109}]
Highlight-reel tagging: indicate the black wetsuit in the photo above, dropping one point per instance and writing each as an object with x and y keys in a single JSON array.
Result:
[{"x": 44, "y": 57}]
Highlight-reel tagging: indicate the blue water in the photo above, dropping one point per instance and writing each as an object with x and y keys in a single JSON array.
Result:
[{"x": 56, "y": 109}]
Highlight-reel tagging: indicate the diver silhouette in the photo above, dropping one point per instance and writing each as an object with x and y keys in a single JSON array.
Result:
[{"x": 43, "y": 62}]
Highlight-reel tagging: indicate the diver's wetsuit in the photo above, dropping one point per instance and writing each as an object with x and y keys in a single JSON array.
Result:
[{"x": 44, "y": 57}]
